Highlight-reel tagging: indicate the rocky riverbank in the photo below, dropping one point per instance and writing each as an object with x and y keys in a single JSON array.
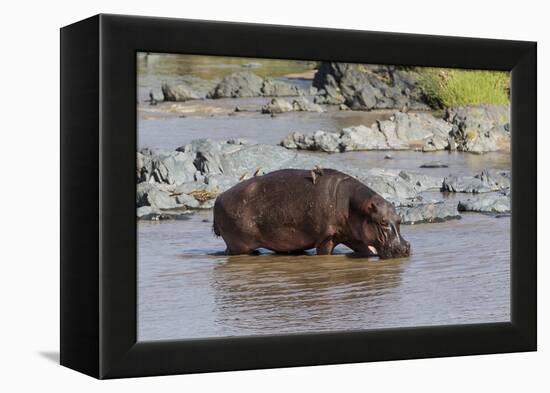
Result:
[
  {"x": 475, "y": 129},
  {"x": 172, "y": 184}
]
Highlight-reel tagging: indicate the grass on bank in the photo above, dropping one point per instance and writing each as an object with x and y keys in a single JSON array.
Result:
[{"x": 444, "y": 88}]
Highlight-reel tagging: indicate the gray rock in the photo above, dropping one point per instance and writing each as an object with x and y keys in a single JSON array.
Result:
[
  {"x": 454, "y": 183},
  {"x": 248, "y": 84},
  {"x": 304, "y": 105},
  {"x": 220, "y": 183},
  {"x": 428, "y": 213},
  {"x": 145, "y": 211},
  {"x": 156, "y": 94},
  {"x": 434, "y": 164},
  {"x": 366, "y": 87},
  {"x": 422, "y": 182},
  {"x": 390, "y": 187},
  {"x": 318, "y": 140},
  {"x": 165, "y": 167},
  {"x": 481, "y": 128},
  {"x": 486, "y": 181},
  {"x": 494, "y": 203},
  {"x": 178, "y": 93},
  {"x": 276, "y": 88},
  {"x": 326, "y": 141},
  {"x": 148, "y": 194},
  {"x": 362, "y": 138},
  {"x": 418, "y": 128},
  {"x": 207, "y": 155},
  {"x": 241, "y": 84},
  {"x": 402, "y": 132},
  {"x": 277, "y": 105}
]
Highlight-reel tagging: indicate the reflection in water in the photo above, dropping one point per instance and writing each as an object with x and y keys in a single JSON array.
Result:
[
  {"x": 459, "y": 272},
  {"x": 285, "y": 293}
]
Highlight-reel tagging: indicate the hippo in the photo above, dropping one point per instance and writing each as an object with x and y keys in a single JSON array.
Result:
[{"x": 292, "y": 210}]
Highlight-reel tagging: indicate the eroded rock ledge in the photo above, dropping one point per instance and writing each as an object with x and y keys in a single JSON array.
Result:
[
  {"x": 471, "y": 129},
  {"x": 172, "y": 184}
]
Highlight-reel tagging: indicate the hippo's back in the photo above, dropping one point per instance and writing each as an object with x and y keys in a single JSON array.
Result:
[{"x": 290, "y": 199}]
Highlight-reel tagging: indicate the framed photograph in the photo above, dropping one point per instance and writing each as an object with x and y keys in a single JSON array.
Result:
[{"x": 240, "y": 196}]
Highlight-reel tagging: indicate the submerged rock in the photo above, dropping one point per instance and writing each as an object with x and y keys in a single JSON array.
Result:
[
  {"x": 434, "y": 164},
  {"x": 486, "y": 181},
  {"x": 428, "y": 213},
  {"x": 496, "y": 203}
]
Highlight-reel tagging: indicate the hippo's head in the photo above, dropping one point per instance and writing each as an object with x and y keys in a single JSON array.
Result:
[{"x": 376, "y": 229}]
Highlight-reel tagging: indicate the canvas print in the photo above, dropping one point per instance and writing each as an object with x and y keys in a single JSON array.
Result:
[{"x": 281, "y": 196}]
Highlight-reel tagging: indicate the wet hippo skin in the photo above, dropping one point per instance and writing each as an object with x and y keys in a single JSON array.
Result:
[{"x": 292, "y": 210}]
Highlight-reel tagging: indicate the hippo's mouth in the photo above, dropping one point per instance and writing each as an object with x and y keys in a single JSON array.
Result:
[
  {"x": 372, "y": 251},
  {"x": 388, "y": 253}
]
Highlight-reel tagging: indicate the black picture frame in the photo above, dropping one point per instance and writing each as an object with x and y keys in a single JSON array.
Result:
[{"x": 98, "y": 220}]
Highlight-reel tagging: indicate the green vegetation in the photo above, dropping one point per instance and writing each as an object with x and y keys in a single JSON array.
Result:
[{"x": 445, "y": 88}]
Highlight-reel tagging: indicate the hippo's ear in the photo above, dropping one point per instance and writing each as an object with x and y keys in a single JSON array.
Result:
[{"x": 371, "y": 207}]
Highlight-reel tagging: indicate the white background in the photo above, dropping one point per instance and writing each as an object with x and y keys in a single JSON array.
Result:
[{"x": 29, "y": 194}]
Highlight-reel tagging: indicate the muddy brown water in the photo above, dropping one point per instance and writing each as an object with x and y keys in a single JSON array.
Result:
[{"x": 458, "y": 273}]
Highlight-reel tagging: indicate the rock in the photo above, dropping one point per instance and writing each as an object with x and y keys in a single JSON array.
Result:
[
  {"x": 393, "y": 188},
  {"x": 403, "y": 131},
  {"x": 388, "y": 157},
  {"x": 422, "y": 182},
  {"x": 276, "y": 88},
  {"x": 165, "y": 167},
  {"x": 248, "y": 84},
  {"x": 220, "y": 183},
  {"x": 304, "y": 105},
  {"x": 454, "y": 183},
  {"x": 207, "y": 155},
  {"x": 319, "y": 140},
  {"x": 326, "y": 141},
  {"x": 156, "y": 94},
  {"x": 428, "y": 213},
  {"x": 434, "y": 164},
  {"x": 366, "y": 87},
  {"x": 494, "y": 203},
  {"x": 481, "y": 128},
  {"x": 149, "y": 194},
  {"x": 418, "y": 128},
  {"x": 241, "y": 84},
  {"x": 186, "y": 200},
  {"x": 277, "y": 105},
  {"x": 178, "y": 93},
  {"x": 145, "y": 211},
  {"x": 344, "y": 107},
  {"x": 238, "y": 141},
  {"x": 486, "y": 181},
  {"x": 362, "y": 138},
  {"x": 251, "y": 65}
]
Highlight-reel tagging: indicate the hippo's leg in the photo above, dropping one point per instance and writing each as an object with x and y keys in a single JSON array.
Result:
[
  {"x": 326, "y": 247},
  {"x": 239, "y": 249}
]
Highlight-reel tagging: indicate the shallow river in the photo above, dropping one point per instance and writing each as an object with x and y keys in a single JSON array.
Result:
[{"x": 459, "y": 271}]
